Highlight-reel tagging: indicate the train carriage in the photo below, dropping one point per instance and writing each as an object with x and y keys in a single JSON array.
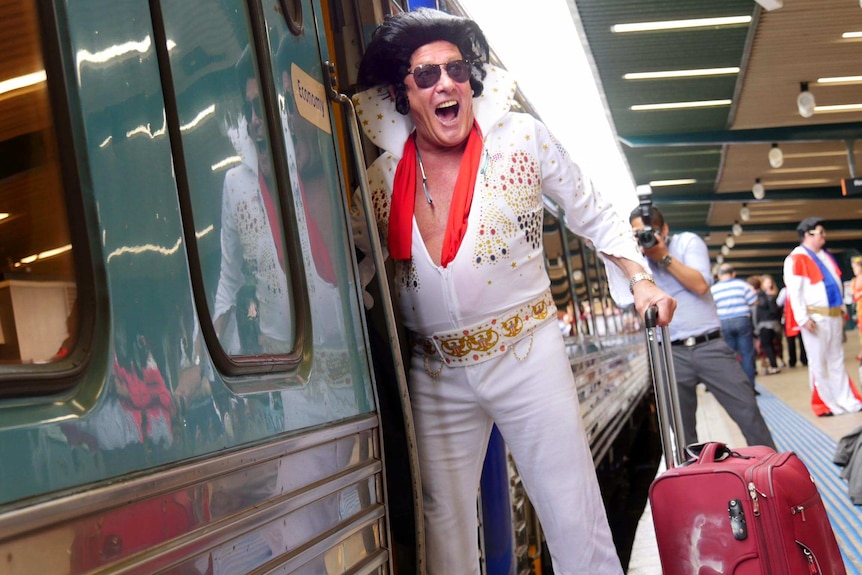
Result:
[{"x": 189, "y": 382}]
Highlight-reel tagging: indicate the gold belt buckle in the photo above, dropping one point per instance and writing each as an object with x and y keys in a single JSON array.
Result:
[{"x": 689, "y": 341}]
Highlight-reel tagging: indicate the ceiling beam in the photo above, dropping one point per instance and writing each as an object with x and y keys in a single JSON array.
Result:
[
  {"x": 807, "y": 133},
  {"x": 853, "y": 225},
  {"x": 835, "y": 245},
  {"x": 821, "y": 193}
]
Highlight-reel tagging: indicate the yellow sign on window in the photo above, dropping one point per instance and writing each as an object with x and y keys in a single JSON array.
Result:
[{"x": 310, "y": 97}]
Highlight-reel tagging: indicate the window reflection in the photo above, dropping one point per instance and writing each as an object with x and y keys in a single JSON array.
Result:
[
  {"x": 235, "y": 201},
  {"x": 38, "y": 318},
  {"x": 253, "y": 280}
]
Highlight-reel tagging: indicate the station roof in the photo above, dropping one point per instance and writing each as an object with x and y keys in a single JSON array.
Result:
[{"x": 721, "y": 150}]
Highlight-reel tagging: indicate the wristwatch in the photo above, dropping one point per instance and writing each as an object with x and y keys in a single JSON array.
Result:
[
  {"x": 639, "y": 278},
  {"x": 666, "y": 260}
]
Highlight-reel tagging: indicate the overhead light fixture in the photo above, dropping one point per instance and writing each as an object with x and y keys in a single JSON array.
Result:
[
  {"x": 681, "y": 73},
  {"x": 681, "y": 105},
  {"x": 719, "y": 259},
  {"x": 4, "y": 215},
  {"x": 729, "y": 241},
  {"x": 736, "y": 229},
  {"x": 840, "y": 80},
  {"x": 757, "y": 190},
  {"x": 744, "y": 213},
  {"x": 805, "y": 101},
  {"x": 838, "y": 108},
  {"x": 678, "y": 24},
  {"x": 848, "y": 35},
  {"x": 24, "y": 81},
  {"x": 776, "y": 156},
  {"x": 725, "y": 250},
  {"x": 681, "y": 182},
  {"x": 770, "y": 4}
]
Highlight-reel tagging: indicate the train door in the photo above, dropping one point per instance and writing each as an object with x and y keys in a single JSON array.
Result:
[{"x": 188, "y": 428}]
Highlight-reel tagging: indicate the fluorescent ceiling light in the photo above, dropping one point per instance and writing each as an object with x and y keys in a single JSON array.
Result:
[
  {"x": 807, "y": 170},
  {"x": 683, "y": 182},
  {"x": 838, "y": 108},
  {"x": 4, "y": 215},
  {"x": 43, "y": 255},
  {"x": 22, "y": 81},
  {"x": 681, "y": 73},
  {"x": 684, "y": 153},
  {"x": 840, "y": 80},
  {"x": 814, "y": 154},
  {"x": 852, "y": 34},
  {"x": 678, "y": 24},
  {"x": 776, "y": 212},
  {"x": 770, "y": 4},
  {"x": 681, "y": 105},
  {"x": 775, "y": 183},
  {"x": 706, "y": 169}
]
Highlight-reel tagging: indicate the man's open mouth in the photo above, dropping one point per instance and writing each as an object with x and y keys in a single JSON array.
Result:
[{"x": 448, "y": 111}]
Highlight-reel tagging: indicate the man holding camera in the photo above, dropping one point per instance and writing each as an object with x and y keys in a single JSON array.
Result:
[{"x": 681, "y": 268}]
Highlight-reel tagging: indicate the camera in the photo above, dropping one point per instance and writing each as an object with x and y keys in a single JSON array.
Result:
[{"x": 646, "y": 236}]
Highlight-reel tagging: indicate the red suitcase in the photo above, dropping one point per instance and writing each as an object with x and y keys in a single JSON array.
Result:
[{"x": 748, "y": 511}]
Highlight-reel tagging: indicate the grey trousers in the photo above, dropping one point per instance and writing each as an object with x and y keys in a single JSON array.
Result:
[{"x": 714, "y": 364}]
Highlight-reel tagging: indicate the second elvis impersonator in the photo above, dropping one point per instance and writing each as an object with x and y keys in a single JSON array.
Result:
[{"x": 486, "y": 346}]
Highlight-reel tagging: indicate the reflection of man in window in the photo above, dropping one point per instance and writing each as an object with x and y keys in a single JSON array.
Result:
[{"x": 252, "y": 306}]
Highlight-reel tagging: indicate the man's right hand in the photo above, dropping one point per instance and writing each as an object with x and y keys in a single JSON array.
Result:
[{"x": 658, "y": 251}]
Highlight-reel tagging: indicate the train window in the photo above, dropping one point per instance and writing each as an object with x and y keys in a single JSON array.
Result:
[
  {"x": 38, "y": 287},
  {"x": 228, "y": 159}
]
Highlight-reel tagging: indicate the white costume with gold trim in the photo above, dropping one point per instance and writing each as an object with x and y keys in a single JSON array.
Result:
[
  {"x": 806, "y": 292},
  {"x": 493, "y": 299}
]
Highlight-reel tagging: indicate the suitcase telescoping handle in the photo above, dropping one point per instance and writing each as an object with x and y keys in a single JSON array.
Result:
[{"x": 666, "y": 394}]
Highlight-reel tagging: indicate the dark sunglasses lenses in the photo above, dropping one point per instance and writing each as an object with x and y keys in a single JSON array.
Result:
[
  {"x": 427, "y": 75},
  {"x": 253, "y": 105}
]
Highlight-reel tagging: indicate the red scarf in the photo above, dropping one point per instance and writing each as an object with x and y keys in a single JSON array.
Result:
[
  {"x": 404, "y": 199},
  {"x": 319, "y": 249},
  {"x": 272, "y": 218}
]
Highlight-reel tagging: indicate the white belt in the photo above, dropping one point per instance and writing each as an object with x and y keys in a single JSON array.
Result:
[{"x": 481, "y": 342}]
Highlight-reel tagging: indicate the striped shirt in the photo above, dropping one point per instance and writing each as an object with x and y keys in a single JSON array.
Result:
[{"x": 733, "y": 298}]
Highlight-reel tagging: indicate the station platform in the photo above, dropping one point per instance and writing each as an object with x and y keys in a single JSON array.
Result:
[{"x": 785, "y": 403}]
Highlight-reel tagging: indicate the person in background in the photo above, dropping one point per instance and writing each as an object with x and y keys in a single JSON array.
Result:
[
  {"x": 681, "y": 266},
  {"x": 814, "y": 290},
  {"x": 791, "y": 332},
  {"x": 856, "y": 289},
  {"x": 458, "y": 196},
  {"x": 734, "y": 299},
  {"x": 767, "y": 320}
]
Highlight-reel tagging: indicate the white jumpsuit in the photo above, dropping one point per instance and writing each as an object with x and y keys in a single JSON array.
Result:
[
  {"x": 806, "y": 292},
  {"x": 491, "y": 351}
]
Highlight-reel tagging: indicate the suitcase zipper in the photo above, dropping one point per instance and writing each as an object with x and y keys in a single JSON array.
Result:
[
  {"x": 755, "y": 502},
  {"x": 798, "y": 509},
  {"x": 813, "y": 565}
]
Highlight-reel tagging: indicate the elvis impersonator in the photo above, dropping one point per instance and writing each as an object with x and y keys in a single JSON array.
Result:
[
  {"x": 458, "y": 200},
  {"x": 815, "y": 294}
]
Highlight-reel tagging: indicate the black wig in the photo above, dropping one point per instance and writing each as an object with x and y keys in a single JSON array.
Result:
[{"x": 387, "y": 58}]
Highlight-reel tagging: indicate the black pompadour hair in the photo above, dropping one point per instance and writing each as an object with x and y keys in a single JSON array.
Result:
[
  {"x": 387, "y": 58},
  {"x": 656, "y": 216}
]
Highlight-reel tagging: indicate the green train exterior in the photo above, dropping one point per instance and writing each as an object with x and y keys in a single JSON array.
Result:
[{"x": 133, "y": 437}]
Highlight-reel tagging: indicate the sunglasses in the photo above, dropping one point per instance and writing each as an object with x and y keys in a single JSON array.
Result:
[
  {"x": 426, "y": 75},
  {"x": 252, "y": 106},
  {"x": 818, "y": 232}
]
